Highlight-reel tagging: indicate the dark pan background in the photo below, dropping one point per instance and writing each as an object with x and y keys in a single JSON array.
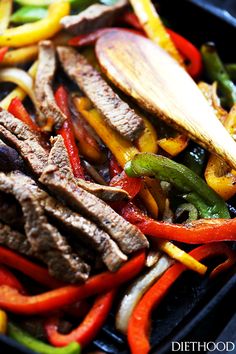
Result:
[{"x": 196, "y": 309}]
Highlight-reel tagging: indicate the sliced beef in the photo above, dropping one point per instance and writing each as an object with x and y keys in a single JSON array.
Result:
[
  {"x": 94, "y": 17},
  {"x": 44, "y": 81},
  {"x": 87, "y": 232},
  {"x": 10, "y": 211},
  {"x": 14, "y": 240},
  {"x": 45, "y": 240},
  {"x": 106, "y": 193},
  {"x": 117, "y": 112},
  {"x": 109, "y": 194},
  {"x": 30, "y": 144},
  {"x": 9, "y": 159},
  {"x": 63, "y": 185}
]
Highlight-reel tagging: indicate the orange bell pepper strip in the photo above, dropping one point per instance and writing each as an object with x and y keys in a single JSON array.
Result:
[
  {"x": 139, "y": 323},
  {"x": 219, "y": 176},
  {"x": 88, "y": 146},
  {"x": 20, "y": 56},
  {"x": 195, "y": 232},
  {"x": 89, "y": 327},
  {"x": 17, "y": 109},
  {"x": 12, "y": 300},
  {"x": 66, "y": 131}
]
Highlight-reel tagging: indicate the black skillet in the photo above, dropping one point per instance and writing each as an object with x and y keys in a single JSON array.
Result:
[{"x": 196, "y": 309}]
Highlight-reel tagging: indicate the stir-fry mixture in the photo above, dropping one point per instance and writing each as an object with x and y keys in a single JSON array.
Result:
[{"x": 95, "y": 191}]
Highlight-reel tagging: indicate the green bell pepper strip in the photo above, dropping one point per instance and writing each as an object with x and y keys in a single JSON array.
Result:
[
  {"x": 34, "y": 344},
  {"x": 216, "y": 72},
  {"x": 231, "y": 70},
  {"x": 75, "y": 4},
  {"x": 193, "y": 188},
  {"x": 29, "y": 14}
]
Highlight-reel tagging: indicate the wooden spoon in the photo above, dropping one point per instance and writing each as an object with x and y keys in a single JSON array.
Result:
[{"x": 159, "y": 84}]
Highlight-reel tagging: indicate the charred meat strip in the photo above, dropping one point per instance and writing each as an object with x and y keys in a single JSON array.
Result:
[
  {"x": 117, "y": 112},
  {"x": 14, "y": 240},
  {"x": 28, "y": 143},
  {"x": 86, "y": 232},
  {"x": 10, "y": 211},
  {"x": 43, "y": 84},
  {"x": 46, "y": 242},
  {"x": 104, "y": 192},
  {"x": 127, "y": 236},
  {"x": 109, "y": 194},
  {"x": 93, "y": 18}
]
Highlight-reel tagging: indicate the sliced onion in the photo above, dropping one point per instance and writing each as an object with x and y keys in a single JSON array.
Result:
[
  {"x": 20, "y": 78},
  {"x": 152, "y": 258},
  {"x": 136, "y": 291}
]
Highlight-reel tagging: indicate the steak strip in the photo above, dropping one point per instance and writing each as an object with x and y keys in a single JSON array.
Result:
[
  {"x": 14, "y": 240},
  {"x": 34, "y": 151},
  {"x": 93, "y": 18},
  {"x": 46, "y": 242},
  {"x": 43, "y": 84},
  {"x": 116, "y": 112},
  {"x": 27, "y": 142},
  {"x": 104, "y": 192},
  {"x": 87, "y": 232},
  {"x": 127, "y": 236}
]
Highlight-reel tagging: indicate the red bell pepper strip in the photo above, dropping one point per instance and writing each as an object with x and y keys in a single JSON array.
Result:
[
  {"x": 129, "y": 184},
  {"x": 27, "y": 267},
  {"x": 139, "y": 323},
  {"x": 91, "y": 38},
  {"x": 195, "y": 232},
  {"x": 66, "y": 131},
  {"x": 12, "y": 300},
  {"x": 17, "y": 109},
  {"x": 88, "y": 329},
  {"x": 3, "y": 52},
  {"x": 190, "y": 53},
  {"x": 7, "y": 278}
]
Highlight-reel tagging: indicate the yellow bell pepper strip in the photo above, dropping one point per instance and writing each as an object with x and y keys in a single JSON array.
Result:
[
  {"x": 121, "y": 148},
  {"x": 219, "y": 176},
  {"x": 18, "y": 91},
  {"x": 174, "y": 145},
  {"x": 20, "y": 56},
  {"x": 154, "y": 28},
  {"x": 148, "y": 140},
  {"x": 33, "y": 32},
  {"x": 5, "y": 13},
  {"x": 3, "y": 322}
]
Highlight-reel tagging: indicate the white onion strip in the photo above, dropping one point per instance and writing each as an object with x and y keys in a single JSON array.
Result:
[
  {"x": 137, "y": 290},
  {"x": 20, "y": 78}
]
